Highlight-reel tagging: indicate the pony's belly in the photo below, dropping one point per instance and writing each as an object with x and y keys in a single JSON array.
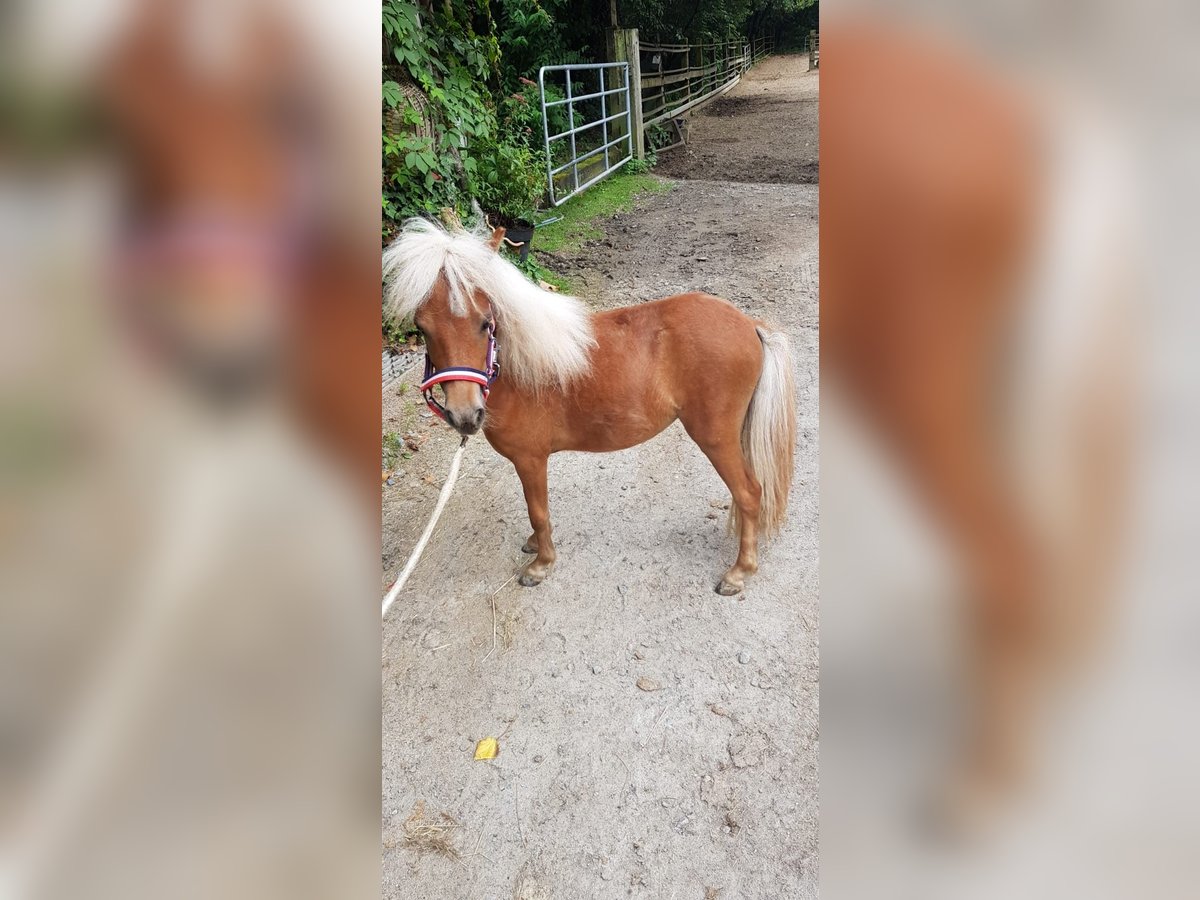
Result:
[{"x": 606, "y": 430}]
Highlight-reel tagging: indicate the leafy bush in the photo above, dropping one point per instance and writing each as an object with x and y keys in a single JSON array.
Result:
[
  {"x": 638, "y": 166},
  {"x": 530, "y": 37},
  {"x": 506, "y": 177},
  {"x": 451, "y": 64},
  {"x": 470, "y": 141}
]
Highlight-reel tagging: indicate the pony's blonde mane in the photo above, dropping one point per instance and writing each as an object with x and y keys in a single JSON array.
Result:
[{"x": 543, "y": 338}]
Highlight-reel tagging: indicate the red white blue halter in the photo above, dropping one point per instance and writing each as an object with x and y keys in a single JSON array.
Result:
[{"x": 484, "y": 379}]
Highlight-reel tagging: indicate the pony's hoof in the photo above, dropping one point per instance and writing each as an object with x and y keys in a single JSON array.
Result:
[
  {"x": 530, "y": 581},
  {"x": 727, "y": 588}
]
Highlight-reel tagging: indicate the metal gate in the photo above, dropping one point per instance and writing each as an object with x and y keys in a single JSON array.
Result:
[{"x": 579, "y": 146}]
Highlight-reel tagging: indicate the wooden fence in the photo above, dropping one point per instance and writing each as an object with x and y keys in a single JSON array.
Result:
[
  {"x": 676, "y": 77},
  {"x": 667, "y": 80}
]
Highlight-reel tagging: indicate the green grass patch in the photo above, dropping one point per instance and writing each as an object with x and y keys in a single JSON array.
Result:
[
  {"x": 557, "y": 280},
  {"x": 581, "y": 213},
  {"x": 393, "y": 448}
]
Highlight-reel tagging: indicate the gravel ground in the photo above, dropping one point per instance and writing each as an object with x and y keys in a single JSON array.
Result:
[
  {"x": 764, "y": 131},
  {"x": 657, "y": 740}
]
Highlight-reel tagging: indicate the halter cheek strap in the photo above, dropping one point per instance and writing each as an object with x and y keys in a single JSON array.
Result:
[{"x": 484, "y": 379}]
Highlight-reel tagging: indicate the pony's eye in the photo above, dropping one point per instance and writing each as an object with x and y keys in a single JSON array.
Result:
[{"x": 484, "y": 327}]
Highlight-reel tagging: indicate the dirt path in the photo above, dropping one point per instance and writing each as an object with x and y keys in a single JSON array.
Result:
[
  {"x": 764, "y": 131},
  {"x": 602, "y": 789}
]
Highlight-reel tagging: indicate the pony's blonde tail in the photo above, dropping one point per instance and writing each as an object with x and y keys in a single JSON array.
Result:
[{"x": 769, "y": 432}]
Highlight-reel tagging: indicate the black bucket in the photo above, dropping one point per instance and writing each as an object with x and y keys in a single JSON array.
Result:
[{"x": 520, "y": 233}]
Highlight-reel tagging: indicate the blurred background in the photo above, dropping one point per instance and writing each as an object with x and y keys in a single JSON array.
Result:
[
  {"x": 1009, "y": 635},
  {"x": 189, "y": 273},
  {"x": 189, "y": 227}
]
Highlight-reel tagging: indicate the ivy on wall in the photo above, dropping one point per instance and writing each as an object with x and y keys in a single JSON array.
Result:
[{"x": 447, "y": 139}]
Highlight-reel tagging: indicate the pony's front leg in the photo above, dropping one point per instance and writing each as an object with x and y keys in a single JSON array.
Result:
[{"x": 532, "y": 472}]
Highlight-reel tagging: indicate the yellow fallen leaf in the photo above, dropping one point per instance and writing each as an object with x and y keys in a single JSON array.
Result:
[{"x": 487, "y": 748}]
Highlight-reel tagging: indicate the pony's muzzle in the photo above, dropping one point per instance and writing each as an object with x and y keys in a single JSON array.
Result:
[
  {"x": 464, "y": 406},
  {"x": 467, "y": 422}
]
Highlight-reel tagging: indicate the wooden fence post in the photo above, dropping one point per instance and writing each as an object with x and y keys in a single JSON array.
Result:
[{"x": 623, "y": 46}]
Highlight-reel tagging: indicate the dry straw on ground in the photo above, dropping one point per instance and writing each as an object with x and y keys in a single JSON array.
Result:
[{"x": 431, "y": 836}]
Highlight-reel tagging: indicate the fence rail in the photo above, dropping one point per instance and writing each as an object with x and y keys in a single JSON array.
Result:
[
  {"x": 582, "y": 117},
  {"x": 676, "y": 77},
  {"x": 761, "y": 47}
]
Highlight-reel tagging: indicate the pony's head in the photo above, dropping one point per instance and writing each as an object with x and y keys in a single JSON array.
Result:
[
  {"x": 461, "y": 293},
  {"x": 216, "y": 148}
]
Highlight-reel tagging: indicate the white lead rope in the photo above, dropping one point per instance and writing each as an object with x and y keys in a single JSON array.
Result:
[{"x": 395, "y": 589}]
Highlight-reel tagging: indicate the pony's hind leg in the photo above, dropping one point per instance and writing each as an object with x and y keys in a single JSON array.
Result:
[
  {"x": 532, "y": 472},
  {"x": 727, "y": 458}
]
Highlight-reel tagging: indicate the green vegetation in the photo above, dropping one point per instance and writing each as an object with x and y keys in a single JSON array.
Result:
[
  {"x": 535, "y": 272},
  {"x": 462, "y": 113},
  {"x": 686, "y": 20},
  {"x": 393, "y": 449},
  {"x": 580, "y": 214},
  {"x": 462, "y": 119}
]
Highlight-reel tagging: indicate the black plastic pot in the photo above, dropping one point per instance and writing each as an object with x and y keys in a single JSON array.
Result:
[
  {"x": 517, "y": 232},
  {"x": 521, "y": 233}
]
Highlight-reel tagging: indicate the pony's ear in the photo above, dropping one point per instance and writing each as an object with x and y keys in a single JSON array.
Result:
[{"x": 495, "y": 240}]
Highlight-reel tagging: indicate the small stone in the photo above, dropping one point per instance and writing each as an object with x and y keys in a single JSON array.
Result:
[
  {"x": 639, "y": 653},
  {"x": 595, "y": 670},
  {"x": 744, "y": 657},
  {"x": 391, "y": 482},
  {"x": 726, "y": 829},
  {"x": 570, "y": 667},
  {"x": 539, "y": 759},
  {"x": 606, "y": 875},
  {"x": 621, "y": 589},
  {"x": 648, "y": 684}
]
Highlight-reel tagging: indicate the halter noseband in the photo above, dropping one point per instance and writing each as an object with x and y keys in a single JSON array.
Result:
[{"x": 460, "y": 373}]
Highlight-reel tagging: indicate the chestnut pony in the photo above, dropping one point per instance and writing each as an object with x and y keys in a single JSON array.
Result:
[
  {"x": 931, "y": 317},
  {"x": 539, "y": 373}
]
